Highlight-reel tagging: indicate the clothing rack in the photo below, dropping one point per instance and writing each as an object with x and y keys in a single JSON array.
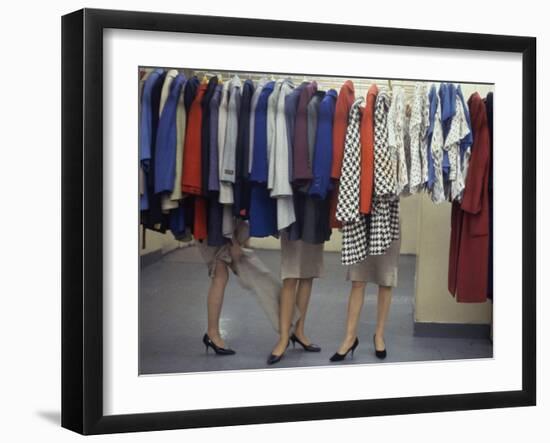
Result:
[{"x": 325, "y": 82}]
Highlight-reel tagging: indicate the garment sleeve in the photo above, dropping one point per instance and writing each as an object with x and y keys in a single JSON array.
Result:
[{"x": 478, "y": 167}]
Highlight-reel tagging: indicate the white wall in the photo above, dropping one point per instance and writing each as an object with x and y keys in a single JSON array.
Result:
[{"x": 30, "y": 326}]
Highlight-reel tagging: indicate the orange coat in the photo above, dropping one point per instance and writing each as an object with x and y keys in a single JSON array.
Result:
[
  {"x": 191, "y": 177},
  {"x": 366, "y": 180},
  {"x": 340, "y": 126},
  {"x": 469, "y": 250}
]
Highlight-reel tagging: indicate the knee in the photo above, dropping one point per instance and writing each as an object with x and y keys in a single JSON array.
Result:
[
  {"x": 220, "y": 274},
  {"x": 358, "y": 285}
]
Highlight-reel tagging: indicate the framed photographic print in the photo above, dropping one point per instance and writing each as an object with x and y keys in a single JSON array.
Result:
[{"x": 269, "y": 221}]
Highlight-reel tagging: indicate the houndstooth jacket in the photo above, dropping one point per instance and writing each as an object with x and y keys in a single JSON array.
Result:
[
  {"x": 364, "y": 235},
  {"x": 384, "y": 223},
  {"x": 354, "y": 224}
]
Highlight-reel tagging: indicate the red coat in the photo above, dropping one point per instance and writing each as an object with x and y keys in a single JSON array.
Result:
[
  {"x": 469, "y": 252},
  {"x": 191, "y": 178}
]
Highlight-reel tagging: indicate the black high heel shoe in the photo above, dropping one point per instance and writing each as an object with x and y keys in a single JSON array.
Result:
[
  {"x": 217, "y": 349},
  {"x": 309, "y": 348},
  {"x": 272, "y": 359},
  {"x": 380, "y": 354},
  {"x": 340, "y": 357}
]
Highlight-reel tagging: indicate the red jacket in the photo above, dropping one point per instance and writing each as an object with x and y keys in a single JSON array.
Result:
[
  {"x": 191, "y": 179},
  {"x": 469, "y": 251},
  {"x": 346, "y": 97},
  {"x": 366, "y": 181}
]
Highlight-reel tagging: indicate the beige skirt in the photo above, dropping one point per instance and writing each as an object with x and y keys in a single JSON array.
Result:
[
  {"x": 300, "y": 259},
  {"x": 378, "y": 269}
]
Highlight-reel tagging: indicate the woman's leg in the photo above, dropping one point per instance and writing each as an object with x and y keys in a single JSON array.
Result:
[
  {"x": 286, "y": 311},
  {"x": 215, "y": 302},
  {"x": 355, "y": 304},
  {"x": 302, "y": 301},
  {"x": 384, "y": 302}
]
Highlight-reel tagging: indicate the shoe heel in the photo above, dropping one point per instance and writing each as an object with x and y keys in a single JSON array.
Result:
[{"x": 352, "y": 351}]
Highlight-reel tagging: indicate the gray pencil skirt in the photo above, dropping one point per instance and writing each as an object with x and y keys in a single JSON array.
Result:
[
  {"x": 378, "y": 269},
  {"x": 300, "y": 259}
]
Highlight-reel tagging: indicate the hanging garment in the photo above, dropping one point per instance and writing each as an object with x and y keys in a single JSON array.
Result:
[
  {"x": 279, "y": 172},
  {"x": 213, "y": 168},
  {"x": 447, "y": 97},
  {"x": 229, "y": 124},
  {"x": 433, "y": 101},
  {"x": 166, "y": 144},
  {"x": 263, "y": 209},
  {"x": 191, "y": 171},
  {"x": 366, "y": 180},
  {"x": 291, "y": 106},
  {"x": 315, "y": 216},
  {"x": 272, "y": 131},
  {"x": 418, "y": 168},
  {"x": 355, "y": 227},
  {"x": 191, "y": 175},
  {"x": 191, "y": 88},
  {"x": 384, "y": 221},
  {"x": 241, "y": 187},
  {"x": 322, "y": 154},
  {"x": 436, "y": 147},
  {"x": 148, "y": 127},
  {"x": 205, "y": 132},
  {"x": 302, "y": 168},
  {"x": 469, "y": 249},
  {"x": 151, "y": 215},
  {"x": 312, "y": 123},
  {"x": 396, "y": 140},
  {"x": 458, "y": 131},
  {"x": 166, "y": 87},
  {"x": 181, "y": 125},
  {"x": 489, "y": 108},
  {"x": 346, "y": 97},
  {"x": 467, "y": 141},
  {"x": 253, "y": 104},
  {"x": 143, "y": 74}
]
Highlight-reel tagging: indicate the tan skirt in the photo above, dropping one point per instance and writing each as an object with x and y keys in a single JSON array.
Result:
[
  {"x": 300, "y": 259},
  {"x": 378, "y": 269}
]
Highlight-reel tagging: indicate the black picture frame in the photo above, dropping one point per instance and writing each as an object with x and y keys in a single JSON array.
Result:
[{"x": 82, "y": 219}]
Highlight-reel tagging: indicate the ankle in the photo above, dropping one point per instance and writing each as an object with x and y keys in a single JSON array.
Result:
[{"x": 213, "y": 334}]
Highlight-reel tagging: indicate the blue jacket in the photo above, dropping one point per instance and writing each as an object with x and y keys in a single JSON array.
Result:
[
  {"x": 259, "y": 153},
  {"x": 147, "y": 128},
  {"x": 263, "y": 208},
  {"x": 322, "y": 153},
  {"x": 165, "y": 146},
  {"x": 447, "y": 95}
]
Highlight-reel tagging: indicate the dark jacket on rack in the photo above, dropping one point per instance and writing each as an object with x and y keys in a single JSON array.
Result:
[{"x": 469, "y": 249}]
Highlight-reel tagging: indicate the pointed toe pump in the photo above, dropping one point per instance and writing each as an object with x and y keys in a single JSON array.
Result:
[
  {"x": 273, "y": 358},
  {"x": 208, "y": 343},
  {"x": 340, "y": 357},
  {"x": 380, "y": 354},
  {"x": 308, "y": 348}
]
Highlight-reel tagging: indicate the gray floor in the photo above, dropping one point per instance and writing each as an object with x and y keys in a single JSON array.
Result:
[{"x": 173, "y": 320}]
